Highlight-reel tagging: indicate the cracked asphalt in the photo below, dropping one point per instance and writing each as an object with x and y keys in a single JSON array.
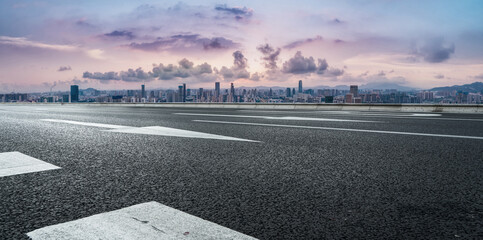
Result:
[{"x": 296, "y": 183}]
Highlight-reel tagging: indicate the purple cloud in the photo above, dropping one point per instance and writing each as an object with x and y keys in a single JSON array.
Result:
[
  {"x": 299, "y": 64},
  {"x": 178, "y": 42},
  {"x": 303, "y": 42},
  {"x": 64, "y": 68},
  {"x": 270, "y": 55},
  {"x": 239, "y": 11},
  {"x": 120, "y": 34}
]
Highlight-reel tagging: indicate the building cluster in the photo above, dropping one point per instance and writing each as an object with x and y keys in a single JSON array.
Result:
[{"x": 240, "y": 95}]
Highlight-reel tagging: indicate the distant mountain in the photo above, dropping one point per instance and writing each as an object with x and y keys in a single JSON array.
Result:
[
  {"x": 383, "y": 86},
  {"x": 472, "y": 88}
]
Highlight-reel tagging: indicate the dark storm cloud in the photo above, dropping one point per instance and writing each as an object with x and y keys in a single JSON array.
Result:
[
  {"x": 64, "y": 68},
  {"x": 120, "y": 34},
  {"x": 303, "y": 42},
  {"x": 436, "y": 51},
  {"x": 239, "y": 11},
  {"x": 179, "y": 42},
  {"x": 270, "y": 55}
]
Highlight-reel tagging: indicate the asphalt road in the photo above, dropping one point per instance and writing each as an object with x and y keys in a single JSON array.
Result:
[{"x": 304, "y": 175}]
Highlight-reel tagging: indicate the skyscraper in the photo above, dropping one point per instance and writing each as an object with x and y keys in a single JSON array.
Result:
[
  {"x": 354, "y": 90},
  {"x": 180, "y": 94},
  {"x": 200, "y": 93},
  {"x": 300, "y": 86},
  {"x": 232, "y": 89},
  {"x": 184, "y": 92},
  {"x": 143, "y": 91},
  {"x": 217, "y": 89},
  {"x": 288, "y": 92},
  {"x": 74, "y": 93}
]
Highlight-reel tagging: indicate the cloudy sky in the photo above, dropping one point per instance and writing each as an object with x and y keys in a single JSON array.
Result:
[{"x": 120, "y": 44}]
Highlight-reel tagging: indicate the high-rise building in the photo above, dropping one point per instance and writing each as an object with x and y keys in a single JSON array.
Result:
[
  {"x": 288, "y": 92},
  {"x": 180, "y": 94},
  {"x": 354, "y": 90},
  {"x": 232, "y": 89},
  {"x": 74, "y": 93},
  {"x": 184, "y": 92},
  {"x": 200, "y": 93},
  {"x": 300, "y": 86},
  {"x": 217, "y": 89}
]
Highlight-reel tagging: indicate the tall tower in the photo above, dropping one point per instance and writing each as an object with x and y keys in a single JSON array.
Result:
[
  {"x": 180, "y": 94},
  {"x": 184, "y": 92},
  {"x": 217, "y": 89},
  {"x": 300, "y": 86},
  {"x": 354, "y": 90},
  {"x": 74, "y": 93},
  {"x": 143, "y": 91},
  {"x": 232, "y": 92}
]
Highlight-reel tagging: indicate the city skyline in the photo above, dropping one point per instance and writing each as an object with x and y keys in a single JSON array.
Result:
[{"x": 55, "y": 44}]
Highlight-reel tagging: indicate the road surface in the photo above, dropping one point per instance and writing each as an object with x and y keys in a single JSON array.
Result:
[{"x": 260, "y": 173}]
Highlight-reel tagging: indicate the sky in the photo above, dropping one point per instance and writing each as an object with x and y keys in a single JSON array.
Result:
[{"x": 122, "y": 44}]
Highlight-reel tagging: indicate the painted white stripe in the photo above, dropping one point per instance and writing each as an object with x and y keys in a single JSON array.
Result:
[
  {"x": 151, "y": 220},
  {"x": 275, "y": 118},
  {"x": 154, "y": 130},
  {"x": 281, "y": 111},
  {"x": 86, "y": 123},
  {"x": 173, "y": 132},
  {"x": 14, "y": 163},
  {"x": 345, "y": 129},
  {"x": 378, "y": 115}
]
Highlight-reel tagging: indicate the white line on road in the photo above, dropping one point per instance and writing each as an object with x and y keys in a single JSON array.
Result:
[
  {"x": 344, "y": 129},
  {"x": 418, "y": 116},
  {"x": 153, "y": 130},
  {"x": 14, "y": 163},
  {"x": 275, "y": 118},
  {"x": 86, "y": 123},
  {"x": 151, "y": 220}
]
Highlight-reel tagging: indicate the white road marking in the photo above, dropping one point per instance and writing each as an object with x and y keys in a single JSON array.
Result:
[
  {"x": 418, "y": 116},
  {"x": 86, "y": 123},
  {"x": 275, "y": 118},
  {"x": 165, "y": 131},
  {"x": 153, "y": 130},
  {"x": 14, "y": 163},
  {"x": 151, "y": 220},
  {"x": 345, "y": 129},
  {"x": 281, "y": 111}
]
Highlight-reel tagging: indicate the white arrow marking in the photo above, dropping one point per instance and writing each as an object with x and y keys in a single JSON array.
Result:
[
  {"x": 154, "y": 130},
  {"x": 150, "y": 220},
  {"x": 14, "y": 163}
]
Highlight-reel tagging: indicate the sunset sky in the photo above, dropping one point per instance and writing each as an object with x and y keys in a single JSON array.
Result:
[{"x": 121, "y": 44}]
